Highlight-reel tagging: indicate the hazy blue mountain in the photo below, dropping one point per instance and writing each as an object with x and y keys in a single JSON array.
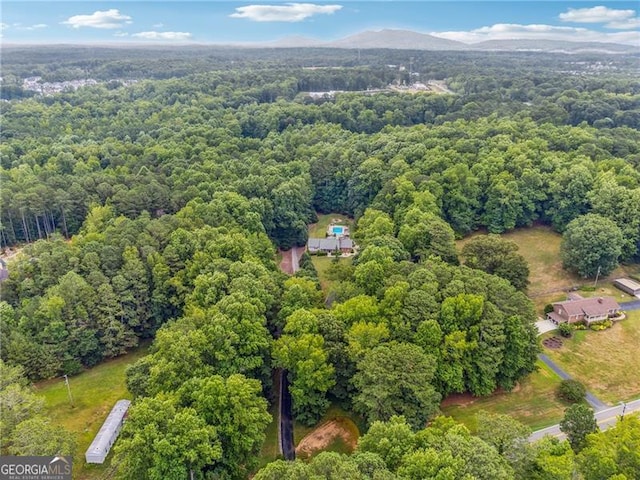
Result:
[
  {"x": 398, "y": 39},
  {"x": 553, "y": 46}
]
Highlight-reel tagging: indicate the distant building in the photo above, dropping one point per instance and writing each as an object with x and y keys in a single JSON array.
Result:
[
  {"x": 329, "y": 245},
  {"x": 586, "y": 310},
  {"x": 628, "y": 285},
  {"x": 106, "y": 437}
]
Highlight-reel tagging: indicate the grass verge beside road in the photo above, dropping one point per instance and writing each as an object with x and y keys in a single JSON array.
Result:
[
  {"x": 533, "y": 402},
  {"x": 270, "y": 448}
]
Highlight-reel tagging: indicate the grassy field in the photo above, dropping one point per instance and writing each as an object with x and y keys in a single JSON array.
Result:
[
  {"x": 540, "y": 246},
  {"x": 322, "y": 264},
  {"x": 94, "y": 392},
  {"x": 533, "y": 402},
  {"x": 319, "y": 229},
  {"x": 607, "y": 362}
]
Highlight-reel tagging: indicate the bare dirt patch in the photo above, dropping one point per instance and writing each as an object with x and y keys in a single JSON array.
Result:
[
  {"x": 340, "y": 428},
  {"x": 286, "y": 265},
  {"x": 460, "y": 399}
]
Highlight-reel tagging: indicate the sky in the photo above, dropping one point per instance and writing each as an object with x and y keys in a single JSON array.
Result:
[{"x": 224, "y": 22}]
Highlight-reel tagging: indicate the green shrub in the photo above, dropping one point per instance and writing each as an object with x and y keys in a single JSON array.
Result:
[
  {"x": 565, "y": 330},
  {"x": 548, "y": 308},
  {"x": 321, "y": 253},
  {"x": 587, "y": 288},
  {"x": 601, "y": 325},
  {"x": 571, "y": 390}
]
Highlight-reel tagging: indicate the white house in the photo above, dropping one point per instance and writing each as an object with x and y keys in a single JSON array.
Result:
[{"x": 108, "y": 433}]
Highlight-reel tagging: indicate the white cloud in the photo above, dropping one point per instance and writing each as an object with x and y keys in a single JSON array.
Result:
[
  {"x": 598, "y": 14},
  {"x": 99, "y": 19},
  {"x": 629, "y": 24},
  {"x": 158, "y": 25},
  {"x": 290, "y": 12},
  {"x": 4, "y": 26},
  {"x": 37, "y": 26},
  {"x": 163, "y": 35},
  {"x": 121, "y": 34},
  {"x": 511, "y": 31},
  {"x": 610, "y": 17}
]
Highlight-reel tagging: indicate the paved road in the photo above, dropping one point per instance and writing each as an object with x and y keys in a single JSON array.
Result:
[
  {"x": 285, "y": 424},
  {"x": 605, "y": 418},
  {"x": 595, "y": 402},
  {"x": 633, "y": 305},
  {"x": 286, "y": 419}
]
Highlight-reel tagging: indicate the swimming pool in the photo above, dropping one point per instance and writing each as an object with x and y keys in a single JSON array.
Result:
[{"x": 337, "y": 230}]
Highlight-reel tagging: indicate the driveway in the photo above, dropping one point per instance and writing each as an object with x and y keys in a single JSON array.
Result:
[
  {"x": 286, "y": 419},
  {"x": 545, "y": 326},
  {"x": 633, "y": 305},
  {"x": 594, "y": 401}
]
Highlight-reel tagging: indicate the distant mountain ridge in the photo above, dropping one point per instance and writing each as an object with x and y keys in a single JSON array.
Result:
[
  {"x": 409, "y": 40},
  {"x": 554, "y": 46},
  {"x": 398, "y": 39}
]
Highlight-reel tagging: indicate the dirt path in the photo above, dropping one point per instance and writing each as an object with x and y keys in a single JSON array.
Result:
[{"x": 323, "y": 436}]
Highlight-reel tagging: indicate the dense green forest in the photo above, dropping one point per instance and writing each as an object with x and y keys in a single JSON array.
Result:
[{"x": 155, "y": 210}]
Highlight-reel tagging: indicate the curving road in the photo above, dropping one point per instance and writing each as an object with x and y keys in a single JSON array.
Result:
[{"x": 605, "y": 418}]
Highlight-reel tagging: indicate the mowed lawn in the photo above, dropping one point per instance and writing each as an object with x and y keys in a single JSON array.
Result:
[
  {"x": 322, "y": 264},
  {"x": 94, "y": 392},
  {"x": 319, "y": 229},
  {"x": 607, "y": 362},
  {"x": 540, "y": 246},
  {"x": 533, "y": 402}
]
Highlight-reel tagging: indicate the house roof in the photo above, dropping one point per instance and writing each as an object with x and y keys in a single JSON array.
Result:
[
  {"x": 556, "y": 317},
  {"x": 589, "y": 306},
  {"x": 330, "y": 243},
  {"x": 102, "y": 441},
  {"x": 346, "y": 243}
]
